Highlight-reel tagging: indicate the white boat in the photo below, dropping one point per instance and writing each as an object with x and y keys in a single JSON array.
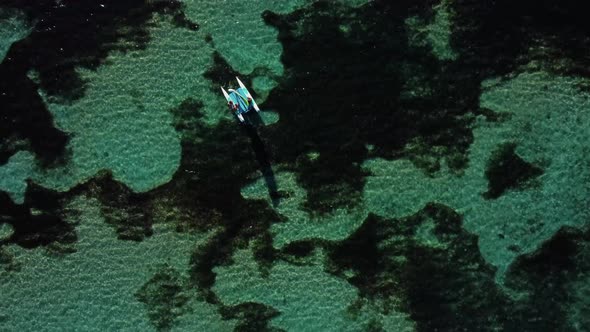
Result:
[{"x": 240, "y": 101}]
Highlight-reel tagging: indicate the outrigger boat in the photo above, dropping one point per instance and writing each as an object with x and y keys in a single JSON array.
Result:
[{"x": 240, "y": 101}]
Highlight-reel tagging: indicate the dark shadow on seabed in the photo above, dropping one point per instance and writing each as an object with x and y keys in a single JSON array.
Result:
[{"x": 253, "y": 121}]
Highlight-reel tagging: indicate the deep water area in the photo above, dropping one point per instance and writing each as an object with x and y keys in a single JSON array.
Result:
[{"x": 416, "y": 165}]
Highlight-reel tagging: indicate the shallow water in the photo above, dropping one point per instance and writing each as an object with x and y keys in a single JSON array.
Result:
[{"x": 416, "y": 166}]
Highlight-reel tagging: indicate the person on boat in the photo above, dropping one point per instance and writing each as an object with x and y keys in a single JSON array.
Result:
[
  {"x": 250, "y": 104},
  {"x": 232, "y": 106}
]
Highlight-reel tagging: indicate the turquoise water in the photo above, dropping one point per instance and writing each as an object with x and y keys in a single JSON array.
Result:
[{"x": 416, "y": 166}]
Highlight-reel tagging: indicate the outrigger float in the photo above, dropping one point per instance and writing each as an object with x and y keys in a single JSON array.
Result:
[{"x": 240, "y": 101}]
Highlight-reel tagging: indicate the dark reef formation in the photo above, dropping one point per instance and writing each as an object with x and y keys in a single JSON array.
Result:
[
  {"x": 39, "y": 221},
  {"x": 52, "y": 53},
  {"x": 352, "y": 81},
  {"x": 499, "y": 36},
  {"x": 548, "y": 275},
  {"x": 426, "y": 265},
  {"x": 164, "y": 297},
  {"x": 125, "y": 210},
  {"x": 252, "y": 317},
  {"x": 507, "y": 170},
  {"x": 349, "y": 89}
]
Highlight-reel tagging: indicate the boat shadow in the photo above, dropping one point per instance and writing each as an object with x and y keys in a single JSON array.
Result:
[
  {"x": 262, "y": 156},
  {"x": 254, "y": 119}
]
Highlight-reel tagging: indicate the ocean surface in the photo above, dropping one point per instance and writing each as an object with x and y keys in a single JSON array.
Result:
[{"x": 417, "y": 165}]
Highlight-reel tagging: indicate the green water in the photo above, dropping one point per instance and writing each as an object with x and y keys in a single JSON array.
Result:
[{"x": 217, "y": 252}]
